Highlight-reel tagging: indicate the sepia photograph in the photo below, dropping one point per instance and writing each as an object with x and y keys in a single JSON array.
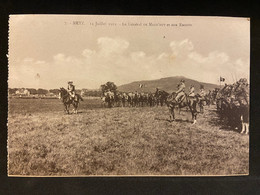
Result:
[{"x": 110, "y": 95}]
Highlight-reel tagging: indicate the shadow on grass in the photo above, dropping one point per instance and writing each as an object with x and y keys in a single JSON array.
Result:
[
  {"x": 224, "y": 125},
  {"x": 183, "y": 121},
  {"x": 72, "y": 113},
  {"x": 175, "y": 120},
  {"x": 83, "y": 111},
  {"x": 162, "y": 119}
]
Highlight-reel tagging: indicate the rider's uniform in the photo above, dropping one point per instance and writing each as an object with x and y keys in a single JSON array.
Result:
[
  {"x": 245, "y": 87},
  {"x": 71, "y": 90},
  {"x": 192, "y": 92},
  {"x": 202, "y": 93},
  {"x": 180, "y": 91}
]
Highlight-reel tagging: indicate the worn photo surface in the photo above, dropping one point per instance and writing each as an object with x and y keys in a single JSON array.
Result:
[{"x": 107, "y": 95}]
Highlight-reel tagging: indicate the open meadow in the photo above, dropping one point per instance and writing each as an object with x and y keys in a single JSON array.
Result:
[{"x": 44, "y": 141}]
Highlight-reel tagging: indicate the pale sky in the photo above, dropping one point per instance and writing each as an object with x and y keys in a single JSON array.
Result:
[{"x": 45, "y": 51}]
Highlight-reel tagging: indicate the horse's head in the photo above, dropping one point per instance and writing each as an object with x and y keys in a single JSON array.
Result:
[
  {"x": 241, "y": 93},
  {"x": 238, "y": 89},
  {"x": 62, "y": 92}
]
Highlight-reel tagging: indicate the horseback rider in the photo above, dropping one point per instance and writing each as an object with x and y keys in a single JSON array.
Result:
[
  {"x": 243, "y": 81},
  {"x": 180, "y": 92},
  {"x": 202, "y": 92},
  {"x": 192, "y": 91},
  {"x": 244, "y": 87},
  {"x": 71, "y": 90},
  {"x": 157, "y": 90}
]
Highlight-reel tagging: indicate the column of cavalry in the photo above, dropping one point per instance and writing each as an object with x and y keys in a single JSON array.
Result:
[
  {"x": 141, "y": 99},
  {"x": 178, "y": 99},
  {"x": 232, "y": 102}
]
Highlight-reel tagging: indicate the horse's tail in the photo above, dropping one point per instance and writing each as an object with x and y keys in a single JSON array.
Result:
[{"x": 80, "y": 98}]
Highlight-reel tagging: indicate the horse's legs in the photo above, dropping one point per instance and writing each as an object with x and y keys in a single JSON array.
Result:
[
  {"x": 247, "y": 127},
  {"x": 193, "y": 112},
  {"x": 171, "y": 110},
  {"x": 76, "y": 107},
  {"x": 76, "y": 110},
  {"x": 201, "y": 107},
  {"x": 243, "y": 125},
  {"x": 194, "y": 118},
  {"x": 246, "y": 119},
  {"x": 243, "y": 128},
  {"x": 67, "y": 109}
]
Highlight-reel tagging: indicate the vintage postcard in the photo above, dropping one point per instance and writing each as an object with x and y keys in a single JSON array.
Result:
[{"x": 107, "y": 95}]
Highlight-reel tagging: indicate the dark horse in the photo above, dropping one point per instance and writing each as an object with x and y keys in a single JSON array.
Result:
[
  {"x": 186, "y": 101},
  {"x": 161, "y": 97},
  {"x": 67, "y": 101}
]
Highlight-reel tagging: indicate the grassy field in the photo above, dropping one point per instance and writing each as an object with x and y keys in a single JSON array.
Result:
[{"x": 43, "y": 141}]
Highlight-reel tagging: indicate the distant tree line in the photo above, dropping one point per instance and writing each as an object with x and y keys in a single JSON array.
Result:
[{"x": 40, "y": 91}]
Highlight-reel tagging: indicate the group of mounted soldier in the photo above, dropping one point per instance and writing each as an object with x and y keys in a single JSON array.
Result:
[
  {"x": 159, "y": 97},
  {"x": 233, "y": 104},
  {"x": 232, "y": 101},
  {"x": 131, "y": 99}
]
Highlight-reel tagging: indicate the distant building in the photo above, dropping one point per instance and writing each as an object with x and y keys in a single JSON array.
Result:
[
  {"x": 22, "y": 92},
  {"x": 83, "y": 92},
  {"x": 51, "y": 94}
]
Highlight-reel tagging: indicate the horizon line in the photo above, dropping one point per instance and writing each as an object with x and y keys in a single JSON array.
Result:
[{"x": 121, "y": 84}]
